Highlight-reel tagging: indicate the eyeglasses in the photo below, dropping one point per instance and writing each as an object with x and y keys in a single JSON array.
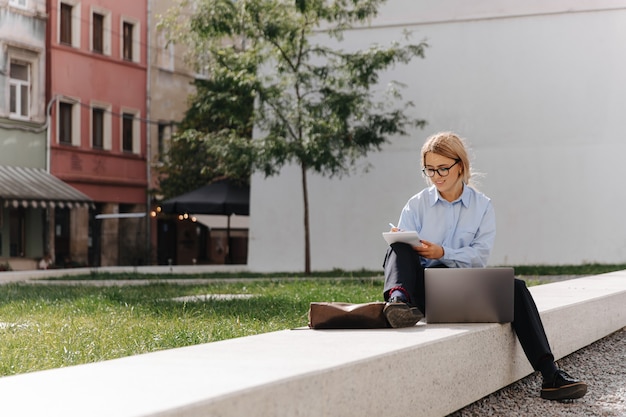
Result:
[{"x": 443, "y": 172}]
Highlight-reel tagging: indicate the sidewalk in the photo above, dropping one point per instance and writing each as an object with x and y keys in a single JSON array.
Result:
[
  {"x": 20, "y": 276},
  {"x": 602, "y": 365}
]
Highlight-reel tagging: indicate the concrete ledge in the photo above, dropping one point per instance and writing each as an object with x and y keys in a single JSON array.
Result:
[
  {"x": 18, "y": 276},
  {"x": 431, "y": 370}
]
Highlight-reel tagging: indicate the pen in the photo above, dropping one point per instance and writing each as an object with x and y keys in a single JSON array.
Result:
[{"x": 394, "y": 227}]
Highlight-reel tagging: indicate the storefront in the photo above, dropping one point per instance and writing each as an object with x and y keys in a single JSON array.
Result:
[{"x": 35, "y": 208}]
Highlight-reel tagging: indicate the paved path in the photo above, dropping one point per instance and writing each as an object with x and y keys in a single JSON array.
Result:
[{"x": 602, "y": 365}]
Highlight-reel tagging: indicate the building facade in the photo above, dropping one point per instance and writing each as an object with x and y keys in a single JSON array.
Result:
[
  {"x": 171, "y": 85},
  {"x": 28, "y": 193},
  {"x": 539, "y": 91},
  {"x": 184, "y": 239},
  {"x": 97, "y": 81}
]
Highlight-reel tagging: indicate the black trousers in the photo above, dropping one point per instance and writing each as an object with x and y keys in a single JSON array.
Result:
[{"x": 403, "y": 269}]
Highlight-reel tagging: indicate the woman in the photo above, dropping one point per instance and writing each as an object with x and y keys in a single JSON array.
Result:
[{"x": 458, "y": 227}]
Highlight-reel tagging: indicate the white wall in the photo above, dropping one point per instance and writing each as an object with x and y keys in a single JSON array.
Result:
[{"x": 539, "y": 91}]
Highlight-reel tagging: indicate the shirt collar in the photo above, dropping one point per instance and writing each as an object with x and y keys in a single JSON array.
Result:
[{"x": 435, "y": 196}]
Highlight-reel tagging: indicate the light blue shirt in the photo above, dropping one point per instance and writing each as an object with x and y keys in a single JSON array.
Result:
[{"x": 465, "y": 228}]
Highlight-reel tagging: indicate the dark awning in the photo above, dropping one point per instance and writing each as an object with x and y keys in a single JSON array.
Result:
[
  {"x": 222, "y": 197},
  {"x": 35, "y": 187}
]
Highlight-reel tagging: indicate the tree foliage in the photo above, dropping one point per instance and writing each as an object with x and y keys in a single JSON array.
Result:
[
  {"x": 315, "y": 105},
  {"x": 212, "y": 141}
]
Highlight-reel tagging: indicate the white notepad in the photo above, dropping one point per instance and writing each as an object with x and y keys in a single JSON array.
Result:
[{"x": 410, "y": 237}]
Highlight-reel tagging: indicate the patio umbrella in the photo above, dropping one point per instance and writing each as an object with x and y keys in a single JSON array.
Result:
[{"x": 221, "y": 197}]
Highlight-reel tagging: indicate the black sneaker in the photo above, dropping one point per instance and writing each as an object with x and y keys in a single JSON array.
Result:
[
  {"x": 400, "y": 314},
  {"x": 563, "y": 387}
]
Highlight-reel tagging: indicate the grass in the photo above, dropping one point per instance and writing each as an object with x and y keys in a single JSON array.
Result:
[
  {"x": 588, "y": 269},
  {"x": 51, "y": 326},
  {"x": 45, "y": 326}
]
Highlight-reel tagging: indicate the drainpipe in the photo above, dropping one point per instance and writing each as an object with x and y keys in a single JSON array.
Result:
[
  {"x": 47, "y": 127},
  {"x": 48, "y": 240}
]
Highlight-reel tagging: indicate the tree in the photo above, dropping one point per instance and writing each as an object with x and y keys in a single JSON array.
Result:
[
  {"x": 315, "y": 105},
  {"x": 201, "y": 151}
]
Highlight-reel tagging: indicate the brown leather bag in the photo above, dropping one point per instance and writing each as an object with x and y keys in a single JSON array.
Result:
[{"x": 347, "y": 316}]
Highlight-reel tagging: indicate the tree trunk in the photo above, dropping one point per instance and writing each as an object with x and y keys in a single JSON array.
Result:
[{"x": 307, "y": 238}]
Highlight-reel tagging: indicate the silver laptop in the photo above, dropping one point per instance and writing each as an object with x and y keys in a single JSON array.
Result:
[{"x": 469, "y": 295}]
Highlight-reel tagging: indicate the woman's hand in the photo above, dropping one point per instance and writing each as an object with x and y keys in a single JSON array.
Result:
[{"x": 429, "y": 250}]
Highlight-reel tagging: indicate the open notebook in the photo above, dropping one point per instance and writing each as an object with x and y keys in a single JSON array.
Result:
[{"x": 410, "y": 237}]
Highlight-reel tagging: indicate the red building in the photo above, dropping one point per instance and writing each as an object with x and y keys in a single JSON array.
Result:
[{"x": 96, "y": 79}]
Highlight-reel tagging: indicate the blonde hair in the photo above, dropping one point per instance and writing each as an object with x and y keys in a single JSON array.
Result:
[{"x": 451, "y": 146}]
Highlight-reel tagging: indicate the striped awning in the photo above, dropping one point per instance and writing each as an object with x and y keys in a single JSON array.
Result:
[{"x": 35, "y": 187}]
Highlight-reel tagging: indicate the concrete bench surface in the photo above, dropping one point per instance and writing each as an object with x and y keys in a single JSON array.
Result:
[{"x": 427, "y": 370}]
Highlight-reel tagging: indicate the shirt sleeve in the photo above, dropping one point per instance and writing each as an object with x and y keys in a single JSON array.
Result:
[{"x": 476, "y": 254}]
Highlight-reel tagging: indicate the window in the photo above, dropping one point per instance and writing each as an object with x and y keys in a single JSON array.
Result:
[
  {"x": 98, "y": 33},
  {"x": 17, "y": 232},
  {"x": 101, "y": 126},
  {"x": 19, "y": 89},
  {"x": 202, "y": 71},
  {"x": 66, "y": 24},
  {"x": 68, "y": 126},
  {"x": 130, "y": 131},
  {"x": 62, "y": 235},
  {"x": 161, "y": 140},
  {"x": 165, "y": 53},
  {"x": 127, "y": 132},
  {"x": 23, "y": 95},
  {"x": 97, "y": 128},
  {"x": 130, "y": 40},
  {"x": 18, "y": 3},
  {"x": 69, "y": 23},
  {"x": 65, "y": 123},
  {"x": 164, "y": 136}
]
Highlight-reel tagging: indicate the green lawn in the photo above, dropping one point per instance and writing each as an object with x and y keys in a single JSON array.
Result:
[{"x": 50, "y": 326}]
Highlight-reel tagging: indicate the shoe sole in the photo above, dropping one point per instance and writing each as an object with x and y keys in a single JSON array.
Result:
[
  {"x": 401, "y": 315},
  {"x": 566, "y": 392}
]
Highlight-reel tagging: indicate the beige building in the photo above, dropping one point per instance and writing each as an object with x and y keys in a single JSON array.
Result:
[{"x": 170, "y": 85}]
